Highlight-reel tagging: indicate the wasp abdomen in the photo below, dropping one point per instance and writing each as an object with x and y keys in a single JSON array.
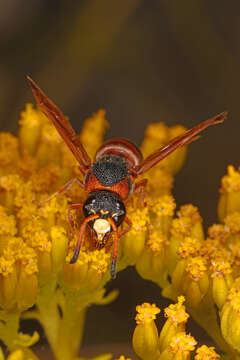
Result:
[{"x": 122, "y": 148}]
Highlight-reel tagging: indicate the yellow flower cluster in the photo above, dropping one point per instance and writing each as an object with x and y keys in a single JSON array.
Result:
[
  {"x": 37, "y": 243},
  {"x": 172, "y": 342}
]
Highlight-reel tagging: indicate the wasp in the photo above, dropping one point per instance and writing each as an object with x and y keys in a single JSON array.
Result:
[{"x": 111, "y": 177}]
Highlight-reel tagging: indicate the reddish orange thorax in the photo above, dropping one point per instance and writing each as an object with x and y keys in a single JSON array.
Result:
[{"x": 112, "y": 168}]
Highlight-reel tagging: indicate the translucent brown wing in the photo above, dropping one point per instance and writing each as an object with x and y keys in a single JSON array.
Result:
[
  {"x": 184, "y": 139},
  {"x": 62, "y": 125}
]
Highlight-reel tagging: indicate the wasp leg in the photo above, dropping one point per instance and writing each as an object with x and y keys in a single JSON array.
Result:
[
  {"x": 70, "y": 215},
  {"x": 115, "y": 248},
  {"x": 80, "y": 237},
  {"x": 141, "y": 186},
  {"x": 92, "y": 238},
  {"x": 125, "y": 231},
  {"x": 62, "y": 191}
]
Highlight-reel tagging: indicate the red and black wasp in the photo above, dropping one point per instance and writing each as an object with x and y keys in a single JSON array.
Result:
[{"x": 110, "y": 179}]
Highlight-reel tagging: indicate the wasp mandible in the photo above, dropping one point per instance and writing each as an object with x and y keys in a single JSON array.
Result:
[{"x": 110, "y": 178}]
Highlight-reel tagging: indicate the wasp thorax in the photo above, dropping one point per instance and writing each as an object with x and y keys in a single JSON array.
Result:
[{"x": 106, "y": 205}]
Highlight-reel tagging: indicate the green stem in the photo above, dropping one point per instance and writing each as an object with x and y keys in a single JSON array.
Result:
[
  {"x": 63, "y": 330},
  {"x": 71, "y": 329},
  {"x": 9, "y": 329},
  {"x": 48, "y": 312},
  {"x": 205, "y": 315}
]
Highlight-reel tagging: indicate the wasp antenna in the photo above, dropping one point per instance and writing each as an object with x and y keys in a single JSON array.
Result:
[
  {"x": 113, "y": 268},
  {"x": 75, "y": 256},
  {"x": 80, "y": 237},
  {"x": 115, "y": 248}
]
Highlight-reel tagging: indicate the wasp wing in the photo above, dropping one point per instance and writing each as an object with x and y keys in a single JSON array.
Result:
[
  {"x": 61, "y": 124},
  {"x": 184, "y": 139}
]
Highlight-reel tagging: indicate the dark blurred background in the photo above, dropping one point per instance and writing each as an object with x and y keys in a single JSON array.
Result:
[{"x": 143, "y": 61}]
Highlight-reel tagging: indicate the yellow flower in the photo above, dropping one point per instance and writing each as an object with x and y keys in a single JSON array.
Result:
[
  {"x": 145, "y": 336},
  {"x": 230, "y": 194},
  {"x": 176, "y": 313},
  {"x": 156, "y": 242},
  {"x": 163, "y": 205},
  {"x": 206, "y": 353},
  {"x": 189, "y": 247},
  {"x": 230, "y": 316},
  {"x": 182, "y": 343},
  {"x": 146, "y": 313},
  {"x": 219, "y": 232},
  {"x": 176, "y": 319},
  {"x": 196, "y": 267},
  {"x": 231, "y": 181}
]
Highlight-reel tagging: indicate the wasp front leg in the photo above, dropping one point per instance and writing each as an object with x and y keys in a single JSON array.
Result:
[
  {"x": 63, "y": 190},
  {"x": 115, "y": 248},
  {"x": 141, "y": 186},
  {"x": 70, "y": 215},
  {"x": 80, "y": 237},
  {"x": 125, "y": 231}
]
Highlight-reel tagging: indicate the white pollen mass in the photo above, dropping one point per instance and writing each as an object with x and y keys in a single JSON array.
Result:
[{"x": 101, "y": 226}]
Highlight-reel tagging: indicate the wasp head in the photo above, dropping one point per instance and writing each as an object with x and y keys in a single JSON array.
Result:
[{"x": 105, "y": 204}]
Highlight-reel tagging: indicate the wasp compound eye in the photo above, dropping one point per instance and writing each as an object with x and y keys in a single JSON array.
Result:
[{"x": 120, "y": 213}]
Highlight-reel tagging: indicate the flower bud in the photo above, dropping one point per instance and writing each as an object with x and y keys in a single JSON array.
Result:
[
  {"x": 175, "y": 323},
  {"x": 92, "y": 132},
  {"x": 145, "y": 341},
  {"x": 16, "y": 355},
  {"x": 133, "y": 242},
  {"x": 180, "y": 229},
  {"x": 27, "y": 287},
  {"x": 159, "y": 134},
  {"x": 145, "y": 336},
  {"x": 8, "y": 283},
  {"x": 75, "y": 274},
  {"x": 152, "y": 263},
  {"x": 229, "y": 200},
  {"x": 9, "y": 153},
  {"x": 219, "y": 291},
  {"x": 93, "y": 279},
  {"x": 44, "y": 266},
  {"x": 191, "y": 212},
  {"x": 59, "y": 248},
  {"x": 221, "y": 270},
  {"x": 30, "y": 126},
  {"x": 206, "y": 353},
  {"x": 49, "y": 147},
  {"x": 181, "y": 346},
  {"x": 230, "y": 317}
]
